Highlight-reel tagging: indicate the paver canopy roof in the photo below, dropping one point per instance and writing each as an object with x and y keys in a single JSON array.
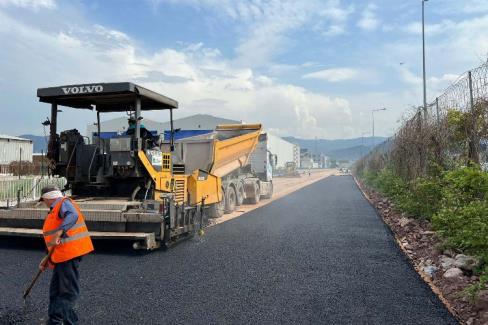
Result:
[{"x": 105, "y": 97}]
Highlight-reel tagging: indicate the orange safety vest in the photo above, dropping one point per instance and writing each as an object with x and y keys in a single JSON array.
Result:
[{"x": 75, "y": 244}]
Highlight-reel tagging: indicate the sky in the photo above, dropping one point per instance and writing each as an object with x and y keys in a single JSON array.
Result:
[{"x": 309, "y": 68}]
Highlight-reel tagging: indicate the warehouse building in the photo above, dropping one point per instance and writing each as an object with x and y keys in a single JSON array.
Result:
[
  {"x": 196, "y": 125},
  {"x": 284, "y": 150},
  {"x": 14, "y": 148}
]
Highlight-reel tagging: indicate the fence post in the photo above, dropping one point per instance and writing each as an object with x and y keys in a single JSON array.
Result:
[
  {"x": 34, "y": 189},
  {"x": 20, "y": 161},
  {"x": 437, "y": 110},
  {"x": 42, "y": 163},
  {"x": 473, "y": 136},
  {"x": 420, "y": 143}
]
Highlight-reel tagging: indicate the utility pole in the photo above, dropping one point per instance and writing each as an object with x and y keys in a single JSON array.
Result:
[{"x": 423, "y": 58}]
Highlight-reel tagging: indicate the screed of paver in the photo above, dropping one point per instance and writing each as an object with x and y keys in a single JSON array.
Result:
[{"x": 281, "y": 186}]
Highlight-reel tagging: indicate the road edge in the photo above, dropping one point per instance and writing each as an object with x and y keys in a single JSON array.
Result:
[{"x": 436, "y": 290}]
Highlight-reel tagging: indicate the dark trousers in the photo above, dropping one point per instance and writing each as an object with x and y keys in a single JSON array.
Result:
[{"x": 63, "y": 293}]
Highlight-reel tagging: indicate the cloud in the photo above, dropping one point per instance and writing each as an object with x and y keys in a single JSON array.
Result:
[
  {"x": 368, "y": 19},
  {"x": 456, "y": 6},
  {"x": 333, "y": 75},
  {"x": 431, "y": 29},
  {"x": 264, "y": 26},
  {"x": 333, "y": 19},
  {"x": 455, "y": 45},
  {"x": 200, "y": 78},
  {"x": 30, "y": 4},
  {"x": 334, "y": 30}
]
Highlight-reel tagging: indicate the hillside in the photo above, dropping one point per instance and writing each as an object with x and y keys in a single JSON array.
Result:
[
  {"x": 340, "y": 149},
  {"x": 39, "y": 142},
  {"x": 351, "y": 154}
]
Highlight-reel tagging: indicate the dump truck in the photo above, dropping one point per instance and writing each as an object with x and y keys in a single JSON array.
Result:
[
  {"x": 246, "y": 175},
  {"x": 135, "y": 185}
]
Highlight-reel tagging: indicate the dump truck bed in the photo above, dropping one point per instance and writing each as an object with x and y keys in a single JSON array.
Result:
[{"x": 226, "y": 149}]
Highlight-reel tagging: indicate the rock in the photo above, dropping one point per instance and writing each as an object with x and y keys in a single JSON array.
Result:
[
  {"x": 430, "y": 270},
  {"x": 427, "y": 232},
  {"x": 449, "y": 252},
  {"x": 407, "y": 246},
  {"x": 452, "y": 273},
  {"x": 470, "y": 321},
  {"x": 424, "y": 239},
  {"x": 447, "y": 262},
  {"x": 404, "y": 221},
  {"x": 465, "y": 262},
  {"x": 483, "y": 318},
  {"x": 482, "y": 300}
]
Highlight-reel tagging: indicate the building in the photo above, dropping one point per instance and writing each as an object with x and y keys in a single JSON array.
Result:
[
  {"x": 196, "y": 125},
  {"x": 296, "y": 154},
  {"x": 189, "y": 126},
  {"x": 306, "y": 161},
  {"x": 15, "y": 149},
  {"x": 320, "y": 160},
  {"x": 284, "y": 150}
]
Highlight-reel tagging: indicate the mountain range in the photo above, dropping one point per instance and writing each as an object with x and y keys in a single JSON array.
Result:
[
  {"x": 340, "y": 149},
  {"x": 39, "y": 142}
]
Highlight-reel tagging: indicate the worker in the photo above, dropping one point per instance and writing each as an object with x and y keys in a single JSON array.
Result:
[
  {"x": 144, "y": 133},
  {"x": 66, "y": 233}
]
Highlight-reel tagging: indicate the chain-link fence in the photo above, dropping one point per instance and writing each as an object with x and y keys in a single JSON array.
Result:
[{"x": 452, "y": 131}]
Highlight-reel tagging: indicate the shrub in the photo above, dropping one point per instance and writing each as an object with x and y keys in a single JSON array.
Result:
[
  {"x": 465, "y": 185},
  {"x": 465, "y": 227},
  {"x": 389, "y": 184},
  {"x": 424, "y": 198}
]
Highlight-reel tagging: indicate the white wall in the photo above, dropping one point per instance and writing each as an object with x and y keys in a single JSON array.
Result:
[
  {"x": 10, "y": 150},
  {"x": 283, "y": 149}
]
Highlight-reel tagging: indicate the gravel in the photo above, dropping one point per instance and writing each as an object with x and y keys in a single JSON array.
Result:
[{"x": 319, "y": 255}]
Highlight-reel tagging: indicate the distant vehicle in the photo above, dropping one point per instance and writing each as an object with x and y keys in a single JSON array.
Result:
[{"x": 344, "y": 171}]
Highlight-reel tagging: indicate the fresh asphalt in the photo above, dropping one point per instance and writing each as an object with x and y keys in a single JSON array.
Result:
[{"x": 320, "y": 255}]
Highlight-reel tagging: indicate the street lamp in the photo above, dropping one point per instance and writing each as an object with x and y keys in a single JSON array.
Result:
[
  {"x": 423, "y": 58},
  {"x": 372, "y": 118}
]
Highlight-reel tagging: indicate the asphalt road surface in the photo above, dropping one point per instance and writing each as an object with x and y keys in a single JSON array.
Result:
[{"x": 319, "y": 255}]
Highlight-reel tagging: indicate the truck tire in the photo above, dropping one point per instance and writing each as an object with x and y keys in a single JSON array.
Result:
[
  {"x": 240, "y": 193},
  {"x": 230, "y": 200},
  {"x": 216, "y": 210},
  {"x": 270, "y": 192},
  {"x": 254, "y": 199}
]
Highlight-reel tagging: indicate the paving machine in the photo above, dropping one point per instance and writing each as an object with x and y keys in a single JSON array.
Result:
[{"x": 134, "y": 185}]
